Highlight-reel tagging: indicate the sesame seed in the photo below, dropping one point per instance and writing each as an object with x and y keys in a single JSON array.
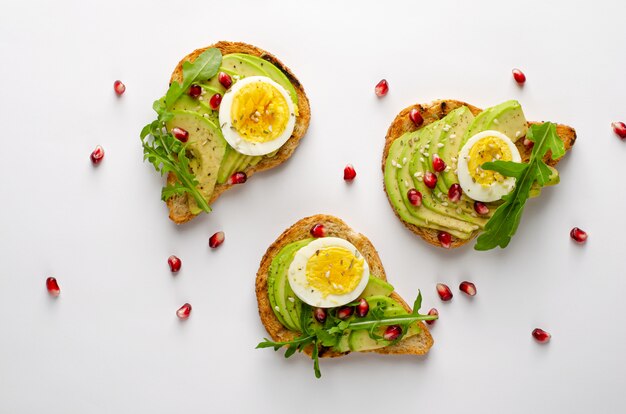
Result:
[
  {"x": 422, "y": 159},
  {"x": 452, "y": 136},
  {"x": 440, "y": 145},
  {"x": 292, "y": 300},
  {"x": 394, "y": 163},
  {"x": 518, "y": 133},
  {"x": 277, "y": 308},
  {"x": 404, "y": 160},
  {"x": 495, "y": 121}
]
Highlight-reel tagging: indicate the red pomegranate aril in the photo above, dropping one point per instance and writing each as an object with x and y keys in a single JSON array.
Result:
[
  {"x": 180, "y": 134},
  {"x": 392, "y": 333},
  {"x": 345, "y": 312},
  {"x": 468, "y": 288},
  {"x": 541, "y": 336},
  {"x": 519, "y": 76},
  {"x": 416, "y": 117},
  {"x": 430, "y": 180},
  {"x": 119, "y": 87},
  {"x": 349, "y": 173},
  {"x": 620, "y": 129},
  {"x": 444, "y": 292},
  {"x": 445, "y": 239},
  {"x": 319, "y": 314},
  {"x": 528, "y": 143},
  {"x": 438, "y": 164},
  {"x": 432, "y": 312},
  {"x": 363, "y": 308},
  {"x": 481, "y": 208},
  {"x": 175, "y": 263},
  {"x": 239, "y": 177},
  {"x": 381, "y": 88},
  {"x": 195, "y": 90},
  {"x": 216, "y": 240},
  {"x": 225, "y": 79},
  {"x": 184, "y": 311},
  {"x": 318, "y": 230},
  {"x": 215, "y": 101},
  {"x": 53, "y": 287},
  {"x": 455, "y": 192},
  {"x": 415, "y": 197},
  {"x": 578, "y": 235},
  {"x": 97, "y": 155}
]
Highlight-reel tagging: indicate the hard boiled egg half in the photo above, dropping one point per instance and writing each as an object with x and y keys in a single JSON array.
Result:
[
  {"x": 328, "y": 272},
  {"x": 257, "y": 116},
  {"x": 486, "y": 185}
]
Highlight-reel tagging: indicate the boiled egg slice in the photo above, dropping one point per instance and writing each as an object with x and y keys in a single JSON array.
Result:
[{"x": 328, "y": 272}]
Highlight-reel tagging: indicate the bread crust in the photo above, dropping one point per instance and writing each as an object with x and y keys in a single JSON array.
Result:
[
  {"x": 433, "y": 112},
  {"x": 416, "y": 345},
  {"x": 178, "y": 205}
]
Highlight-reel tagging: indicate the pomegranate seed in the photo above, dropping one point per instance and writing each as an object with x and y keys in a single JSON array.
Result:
[
  {"x": 53, "y": 287},
  {"x": 416, "y": 117},
  {"x": 318, "y": 230},
  {"x": 349, "y": 173},
  {"x": 392, "y": 333},
  {"x": 430, "y": 180},
  {"x": 180, "y": 134},
  {"x": 215, "y": 101},
  {"x": 216, "y": 240},
  {"x": 345, "y": 312},
  {"x": 519, "y": 76},
  {"x": 362, "y": 308},
  {"x": 528, "y": 143},
  {"x": 225, "y": 79},
  {"x": 455, "y": 192},
  {"x": 444, "y": 292},
  {"x": 97, "y": 155},
  {"x": 445, "y": 239},
  {"x": 468, "y": 288},
  {"x": 431, "y": 312},
  {"x": 580, "y": 236},
  {"x": 541, "y": 336},
  {"x": 620, "y": 129},
  {"x": 481, "y": 208},
  {"x": 119, "y": 87},
  {"x": 195, "y": 90},
  {"x": 175, "y": 263},
  {"x": 319, "y": 314},
  {"x": 184, "y": 311},
  {"x": 415, "y": 197},
  {"x": 381, "y": 88},
  {"x": 239, "y": 177},
  {"x": 438, "y": 164}
]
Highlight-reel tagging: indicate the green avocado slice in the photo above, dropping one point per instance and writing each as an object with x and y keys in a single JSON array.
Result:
[{"x": 506, "y": 117}]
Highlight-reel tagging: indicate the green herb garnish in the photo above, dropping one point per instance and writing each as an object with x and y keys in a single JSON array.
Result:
[
  {"x": 504, "y": 222},
  {"x": 165, "y": 152}
]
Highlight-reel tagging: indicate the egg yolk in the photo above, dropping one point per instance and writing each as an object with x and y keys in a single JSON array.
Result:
[
  {"x": 334, "y": 270},
  {"x": 259, "y": 112},
  {"x": 486, "y": 150}
]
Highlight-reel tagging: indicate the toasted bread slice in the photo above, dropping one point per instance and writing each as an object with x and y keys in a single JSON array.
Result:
[
  {"x": 178, "y": 205},
  {"x": 434, "y": 111},
  {"x": 415, "y": 345}
]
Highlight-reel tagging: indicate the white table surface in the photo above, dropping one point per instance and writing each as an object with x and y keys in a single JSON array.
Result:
[{"x": 111, "y": 343}]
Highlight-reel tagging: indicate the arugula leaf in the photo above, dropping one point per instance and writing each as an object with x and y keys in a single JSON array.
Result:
[
  {"x": 204, "y": 67},
  {"x": 505, "y": 221}
]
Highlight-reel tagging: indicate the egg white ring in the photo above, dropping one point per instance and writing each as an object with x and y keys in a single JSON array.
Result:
[
  {"x": 299, "y": 284},
  {"x": 494, "y": 191},
  {"x": 237, "y": 141}
]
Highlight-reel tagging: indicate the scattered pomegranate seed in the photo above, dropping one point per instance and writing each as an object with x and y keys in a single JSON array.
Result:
[
  {"x": 481, "y": 208},
  {"x": 349, "y": 173},
  {"x": 438, "y": 164},
  {"x": 180, "y": 134},
  {"x": 119, "y": 87},
  {"x": 528, "y": 143},
  {"x": 175, "y": 263},
  {"x": 444, "y": 292},
  {"x": 195, "y": 90},
  {"x": 184, "y": 311},
  {"x": 580, "y": 236},
  {"x": 362, "y": 308},
  {"x": 468, "y": 288},
  {"x": 239, "y": 177},
  {"x": 215, "y": 101},
  {"x": 381, "y": 88},
  {"x": 97, "y": 155},
  {"x": 318, "y": 230},
  {"x": 445, "y": 239},
  {"x": 225, "y": 79},
  {"x": 53, "y": 287},
  {"x": 431, "y": 312},
  {"x": 620, "y": 129},
  {"x": 392, "y": 333},
  {"x": 541, "y": 336},
  {"x": 455, "y": 192},
  {"x": 216, "y": 240},
  {"x": 416, "y": 117},
  {"x": 345, "y": 312},
  {"x": 519, "y": 76},
  {"x": 319, "y": 314},
  {"x": 430, "y": 180},
  {"x": 415, "y": 197}
]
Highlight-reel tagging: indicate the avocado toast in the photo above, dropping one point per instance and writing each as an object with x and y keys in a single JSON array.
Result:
[
  {"x": 423, "y": 157},
  {"x": 373, "y": 319}
]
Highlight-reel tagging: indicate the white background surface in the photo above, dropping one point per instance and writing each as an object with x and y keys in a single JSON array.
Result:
[{"x": 112, "y": 343}]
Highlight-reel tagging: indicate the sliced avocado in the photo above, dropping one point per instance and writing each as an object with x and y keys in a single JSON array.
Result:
[
  {"x": 199, "y": 105},
  {"x": 376, "y": 287},
  {"x": 242, "y": 68},
  {"x": 344, "y": 342},
  {"x": 506, "y": 117}
]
